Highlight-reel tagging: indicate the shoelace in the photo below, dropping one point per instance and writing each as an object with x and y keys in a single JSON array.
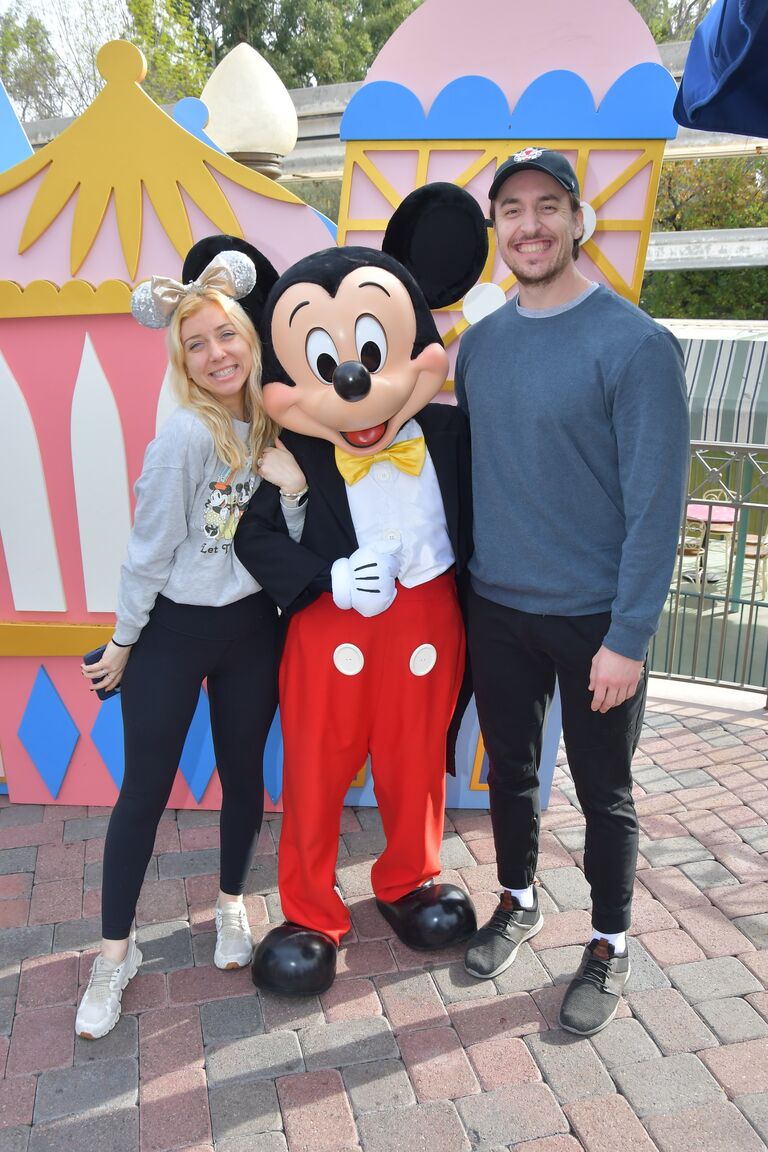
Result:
[
  {"x": 596, "y": 971},
  {"x": 233, "y": 922},
  {"x": 502, "y": 917},
  {"x": 100, "y": 985}
]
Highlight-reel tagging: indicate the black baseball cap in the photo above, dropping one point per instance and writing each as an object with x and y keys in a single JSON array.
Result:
[{"x": 543, "y": 160}]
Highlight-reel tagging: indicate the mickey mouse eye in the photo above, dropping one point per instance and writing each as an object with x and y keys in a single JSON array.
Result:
[
  {"x": 371, "y": 343},
  {"x": 322, "y": 356}
]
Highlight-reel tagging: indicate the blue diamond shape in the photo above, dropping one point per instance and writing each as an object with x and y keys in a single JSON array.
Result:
[
  {"x": 197, "y": 758},
  {"x": 273, "y": 760},
  {"x": 107, "y": 735},
  {"x": 48, "y": 732}
]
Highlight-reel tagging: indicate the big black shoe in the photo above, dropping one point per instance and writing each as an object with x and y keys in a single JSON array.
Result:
[
  {"x": 294, "y": 961},
  {"x": 594, "y": 993},
  {"x": 431, "y": 917},
  {"x": 495, "y": 945}
]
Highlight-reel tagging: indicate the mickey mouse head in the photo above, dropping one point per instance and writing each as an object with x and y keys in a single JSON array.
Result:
[{"x": 351, "y": 349}]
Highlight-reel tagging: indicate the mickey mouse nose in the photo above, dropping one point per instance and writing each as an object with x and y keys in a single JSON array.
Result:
[{"x": 352, "y": 380}]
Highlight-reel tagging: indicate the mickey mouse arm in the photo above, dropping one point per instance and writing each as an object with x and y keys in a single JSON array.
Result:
[{"x": 287, "y": 571}]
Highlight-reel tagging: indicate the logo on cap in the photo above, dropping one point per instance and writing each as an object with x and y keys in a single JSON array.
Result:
[{"x": 528, "y": 154}]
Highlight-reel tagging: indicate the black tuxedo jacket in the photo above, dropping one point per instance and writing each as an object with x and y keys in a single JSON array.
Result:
[{"x": 286, "y": 570}]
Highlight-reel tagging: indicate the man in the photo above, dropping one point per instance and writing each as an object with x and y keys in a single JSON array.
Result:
[{"x": 579, "y": 422}]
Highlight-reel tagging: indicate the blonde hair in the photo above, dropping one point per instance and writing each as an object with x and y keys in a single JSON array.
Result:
[{"x": 217, "y": 419}]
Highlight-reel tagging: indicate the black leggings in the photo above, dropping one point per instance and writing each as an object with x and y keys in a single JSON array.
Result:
[
  {"x": 516, "y": 657},
  {"x": 237, "y": 647}
]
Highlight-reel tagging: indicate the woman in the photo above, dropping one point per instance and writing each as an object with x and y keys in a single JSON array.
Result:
[{"x": 187, "y": 610}]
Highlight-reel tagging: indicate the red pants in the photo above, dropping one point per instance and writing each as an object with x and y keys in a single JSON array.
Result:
[{"x": 350, "y": 686}]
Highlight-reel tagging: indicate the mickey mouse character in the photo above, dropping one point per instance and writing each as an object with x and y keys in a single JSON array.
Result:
[{"x": 374, "y": 658}]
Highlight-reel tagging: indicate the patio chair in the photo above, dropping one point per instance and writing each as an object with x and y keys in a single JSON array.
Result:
[
  {"x": 692, "y": 545},
  {"x": 756, "y": 548},
  {"x": 724, "y": 529}
]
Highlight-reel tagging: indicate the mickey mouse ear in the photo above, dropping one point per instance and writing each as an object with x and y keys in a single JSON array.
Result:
[
  {"x": 440, "y": 235},
  {"x": 201, "y": 254}
]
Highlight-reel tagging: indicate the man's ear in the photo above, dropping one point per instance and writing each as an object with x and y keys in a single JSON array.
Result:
[{"x": 440, "y": 235}]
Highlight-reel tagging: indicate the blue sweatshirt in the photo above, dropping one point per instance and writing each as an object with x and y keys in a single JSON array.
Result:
[{"x": 580, "y": 443}]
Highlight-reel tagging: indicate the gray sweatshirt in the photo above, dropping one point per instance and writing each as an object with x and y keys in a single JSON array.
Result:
[
  {"x": 580, "y": 444},
  {"x": 188, "y": 504}
]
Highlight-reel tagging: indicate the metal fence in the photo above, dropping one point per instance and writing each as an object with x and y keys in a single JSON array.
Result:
[{"x": 714, "y": 628}]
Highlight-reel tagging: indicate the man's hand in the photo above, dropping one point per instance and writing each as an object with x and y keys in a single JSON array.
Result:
[{"x": 613, "y": 679}]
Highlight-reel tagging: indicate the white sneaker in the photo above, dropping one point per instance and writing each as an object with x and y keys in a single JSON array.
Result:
[
  {"x": 99, "y": 1009},
  {"x": 234, "y": 943}
]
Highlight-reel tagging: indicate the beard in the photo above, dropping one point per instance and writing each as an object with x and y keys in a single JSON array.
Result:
[{"x": 541, "y": 277}]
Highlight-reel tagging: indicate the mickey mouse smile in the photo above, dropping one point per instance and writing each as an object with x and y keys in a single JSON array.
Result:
[{"x": 366, "y": 437}]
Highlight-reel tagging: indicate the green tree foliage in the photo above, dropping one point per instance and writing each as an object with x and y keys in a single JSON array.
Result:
[
  {"x": 76, "y": 32},
  {"x": 48, "y": 51},
  {"x": 702, "y": 194},
  {"x": 323, "y": 193},
  {"x": 177, "y": 63},
  {"x": 331, "y": 41},
  {"x": 313, "y": 41},
  {"x": 29, "y": 66},
  {"x": 204, "y": 15},
  {"x": 672, "y": 19}
]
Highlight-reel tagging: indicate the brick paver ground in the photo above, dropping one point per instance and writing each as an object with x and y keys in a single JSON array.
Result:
[{"x": 406, "y": 1051}]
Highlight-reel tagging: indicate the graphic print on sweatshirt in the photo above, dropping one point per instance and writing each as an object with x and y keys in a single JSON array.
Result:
[{"x": 226, "y": 504}]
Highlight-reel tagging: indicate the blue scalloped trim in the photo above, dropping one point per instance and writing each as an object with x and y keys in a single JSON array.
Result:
[
  {"x": 454, "y": 112},
  {"x": 556, "y": 106},
  {"x": 383, "y": 110}
]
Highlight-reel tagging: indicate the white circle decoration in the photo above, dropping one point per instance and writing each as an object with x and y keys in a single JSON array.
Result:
[
  {"x": 348, "y": 659},
  {"x": 481, "y": 301},
  {"x": 590, "y": 221},
  {"x": 423, "y": 659}
]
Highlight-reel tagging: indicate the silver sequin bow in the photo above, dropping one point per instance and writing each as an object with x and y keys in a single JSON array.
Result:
[{"x": 153, "y": 303}]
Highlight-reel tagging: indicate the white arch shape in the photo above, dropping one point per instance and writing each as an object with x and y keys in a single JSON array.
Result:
[
  {"x": 166, "y": 402},
  {"x": 26, "y": 526},
  {"x": 101, "y": 482}
]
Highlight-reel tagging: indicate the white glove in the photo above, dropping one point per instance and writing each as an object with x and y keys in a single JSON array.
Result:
[{"x": 365, "y": 580}]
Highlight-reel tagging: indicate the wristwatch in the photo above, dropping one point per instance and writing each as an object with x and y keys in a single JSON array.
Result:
[{"x": 294, "y": 499}]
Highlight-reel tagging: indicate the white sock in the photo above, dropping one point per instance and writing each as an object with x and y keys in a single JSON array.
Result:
[
  {"x": 617, "y": 939},
  {"x": 524, "y": 896}
]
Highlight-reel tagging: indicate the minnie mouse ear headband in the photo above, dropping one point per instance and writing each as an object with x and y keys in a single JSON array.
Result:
[{"x": 154, "y": 302}]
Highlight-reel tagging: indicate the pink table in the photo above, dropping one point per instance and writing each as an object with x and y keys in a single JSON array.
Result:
[{"x": 711, "y": 513}]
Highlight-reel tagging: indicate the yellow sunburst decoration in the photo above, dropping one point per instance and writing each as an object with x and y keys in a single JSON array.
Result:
[{"x": 121, "y": 145}]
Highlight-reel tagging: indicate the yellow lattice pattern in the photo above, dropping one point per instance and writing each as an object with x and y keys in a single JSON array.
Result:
[{"x": 642, "y": 154}]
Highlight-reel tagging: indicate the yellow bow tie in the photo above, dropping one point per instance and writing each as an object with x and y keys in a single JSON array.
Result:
[{"x": 408, "y": 456}]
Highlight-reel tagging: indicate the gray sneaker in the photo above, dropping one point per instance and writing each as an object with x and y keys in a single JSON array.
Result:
[
  {"x": 234, "y": 943},
  {"x": 594, "y": 993},
  {"x": 99, "y": 1009},
  {"x": 494, "y": 946}
]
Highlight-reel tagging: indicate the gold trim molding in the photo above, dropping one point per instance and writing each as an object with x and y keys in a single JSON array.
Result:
[
  {"x": 52, "y": 639},
  {"x": 75, "y": 298}
]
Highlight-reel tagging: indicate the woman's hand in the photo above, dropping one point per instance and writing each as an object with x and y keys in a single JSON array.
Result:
[
  {"x": 111, "y": 667},
  {"x": 279, "y": 467}
]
